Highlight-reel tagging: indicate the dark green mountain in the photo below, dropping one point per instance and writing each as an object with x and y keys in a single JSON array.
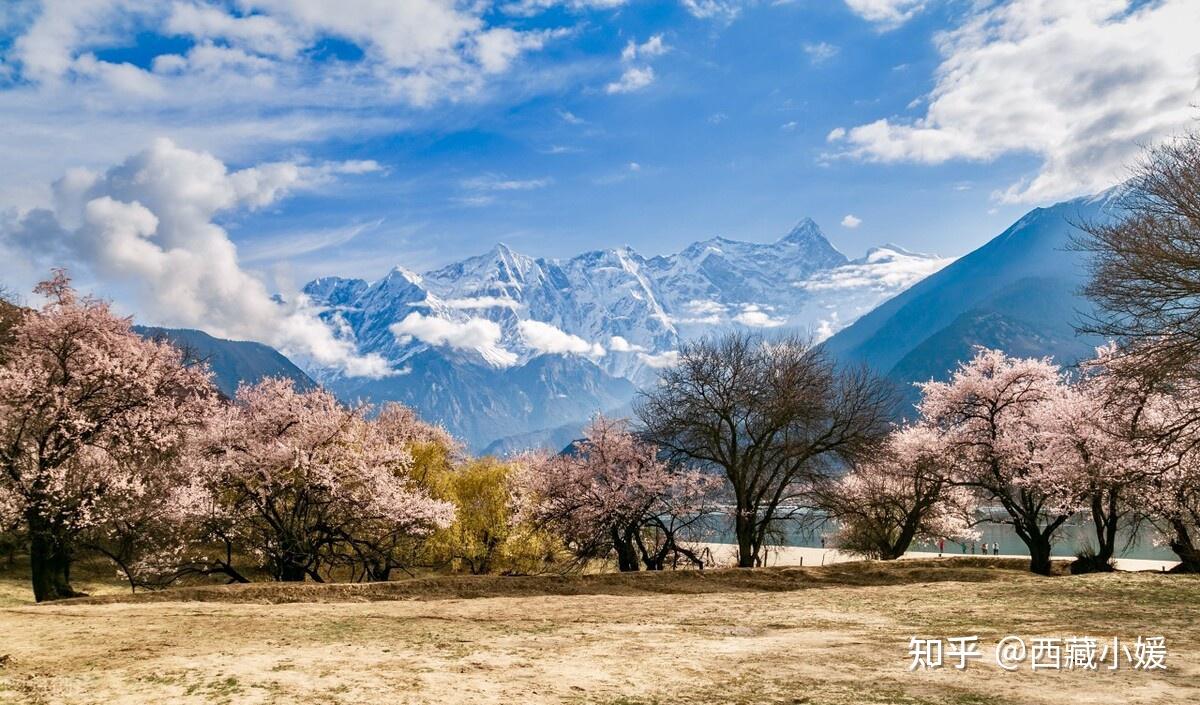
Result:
[{"x": 232, "y": 361}]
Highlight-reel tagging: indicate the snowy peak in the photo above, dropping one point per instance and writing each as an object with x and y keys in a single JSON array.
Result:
[
  {"x": 612, "y": 307},
  {"x": 805, "y": 231},
  {"x": 488, "y": 343}
]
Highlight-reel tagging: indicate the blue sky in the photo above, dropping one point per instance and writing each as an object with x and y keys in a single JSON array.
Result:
[
  {"x": 729, "y": 139},
  {"x": 348, "y": 137}
]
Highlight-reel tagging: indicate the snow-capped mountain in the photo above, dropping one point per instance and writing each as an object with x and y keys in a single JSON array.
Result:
[{"x": 610, "y": 318}]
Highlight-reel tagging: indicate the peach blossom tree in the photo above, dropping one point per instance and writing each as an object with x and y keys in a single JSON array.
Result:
[
  {"x": 612, "y": 494},
  {"x": 991, "y": 415},
  {"x": 295, "y": 483},
  {"x": 88, "y": 409},
  {"x": 904, "y": 494}
]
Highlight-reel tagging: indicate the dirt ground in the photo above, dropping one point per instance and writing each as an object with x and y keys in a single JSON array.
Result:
[{"x": 828, "y": 635}]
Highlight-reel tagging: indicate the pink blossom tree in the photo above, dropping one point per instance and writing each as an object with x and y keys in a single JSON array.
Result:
[
  {"x": 295, "y": 481},
  {"x": 990, "y": 413},
  {"x": 903, "y": 495},
  {"x": 1160, "y": 420},
  {"x": 612, "y": 494},
  {"x": 87, "y": 408},
  {"x": 1089, "y": 451}
]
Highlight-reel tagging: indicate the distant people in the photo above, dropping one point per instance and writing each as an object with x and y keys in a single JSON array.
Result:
[
  {"x": 972, "y": 548},
  {"x": 963, "y": 545},
  {"x": 822, "y": 542},
  {"x": 941, "y": 547},
  {"x": 995, "y": 549}
]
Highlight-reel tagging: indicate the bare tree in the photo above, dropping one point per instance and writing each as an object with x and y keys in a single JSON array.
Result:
[
  {"x": 1145, "y": 281},
  {"x": 1145, "y": 262},
  {"x": 770, "y": 415}
]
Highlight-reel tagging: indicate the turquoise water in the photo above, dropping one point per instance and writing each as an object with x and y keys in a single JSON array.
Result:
[{"x": 1071, "y": 538}]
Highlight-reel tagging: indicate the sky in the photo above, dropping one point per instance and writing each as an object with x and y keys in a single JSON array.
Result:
[{"x": 166, "y": 150}]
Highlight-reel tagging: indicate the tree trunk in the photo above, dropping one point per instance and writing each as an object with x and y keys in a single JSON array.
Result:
[
  {"x": 744, "y": 527},
  {"x": 50, "y": 566},
  {"x": 1106, "y": 526},
  {"x": 1039, "y": 553},
  {"x": 1184, "y": 547},
  {"x": 908, "y": 531},
  {"x": 627, "y": 556},
  {"x": 292, "y": 572}
]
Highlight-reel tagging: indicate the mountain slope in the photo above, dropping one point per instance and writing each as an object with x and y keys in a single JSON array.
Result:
[
  {"x": 1018, "y": 292},
  {"x": 232, "y": 361},
  {"x": 479, "y": 404}
]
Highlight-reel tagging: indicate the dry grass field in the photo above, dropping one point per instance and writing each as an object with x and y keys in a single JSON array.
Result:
[{"x": 821, "y": 635}]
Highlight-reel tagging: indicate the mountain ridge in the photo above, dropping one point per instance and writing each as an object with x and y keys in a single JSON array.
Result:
[{"x": 621, "y": 312}]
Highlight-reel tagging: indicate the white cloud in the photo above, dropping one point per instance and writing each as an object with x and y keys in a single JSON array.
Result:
[
  {"x": 754, "y": 316},
  {"x": 294, "y": 244},
  {"x": 722, "y": 10},
  {"x": 146, "y": 227},
  {"x": 820, "y": 52},
  {"x": 669, "y": 358},
  {"x": 649, "y": 49},
  {"x": 496, "y": 182},
  {"x": 619, "y": 344},
  {"x": 527, "y": 8},
  {"x": 1081, "y": 85},
  {"x": 260, "y": 34},
  {"x": 887, "y": 13},
  {"x": 571, "y": 118},
  {"x": 826, "y": 328},
  {"x": 885, "y": 269},
  {"x": 546, "y": 338},
  {"x": 851, "y": 221},
  {"x": 249, "y": 82},
  {"x": 633, "y": 79},
  {"x": 474, "y": 334}
]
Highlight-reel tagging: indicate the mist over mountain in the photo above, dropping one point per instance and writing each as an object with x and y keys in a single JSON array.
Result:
[{"x": 502, "y": 344}]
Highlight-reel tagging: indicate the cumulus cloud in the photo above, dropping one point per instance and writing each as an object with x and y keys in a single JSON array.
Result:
[
  {"x": 754, "y": 316},
  {"x": 619, "y": 344},
  {"x": 474, "y": 334},
  {"x": 147, "y": 227},
  {"x": 546, "y": 338},
  {"x": 851, "y": 221},
  {"x": 1081, "y": 85},
  {"x": 649, "y": 49},
  {"x": 886, "y": 13},
  {"x": 636, "y": 77},
  {"x": 669, "y": 358},
  {"x": 243, "y": 74},
  {"x": 633, "y": 79},
  {"x": 721, "y": 10}
]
